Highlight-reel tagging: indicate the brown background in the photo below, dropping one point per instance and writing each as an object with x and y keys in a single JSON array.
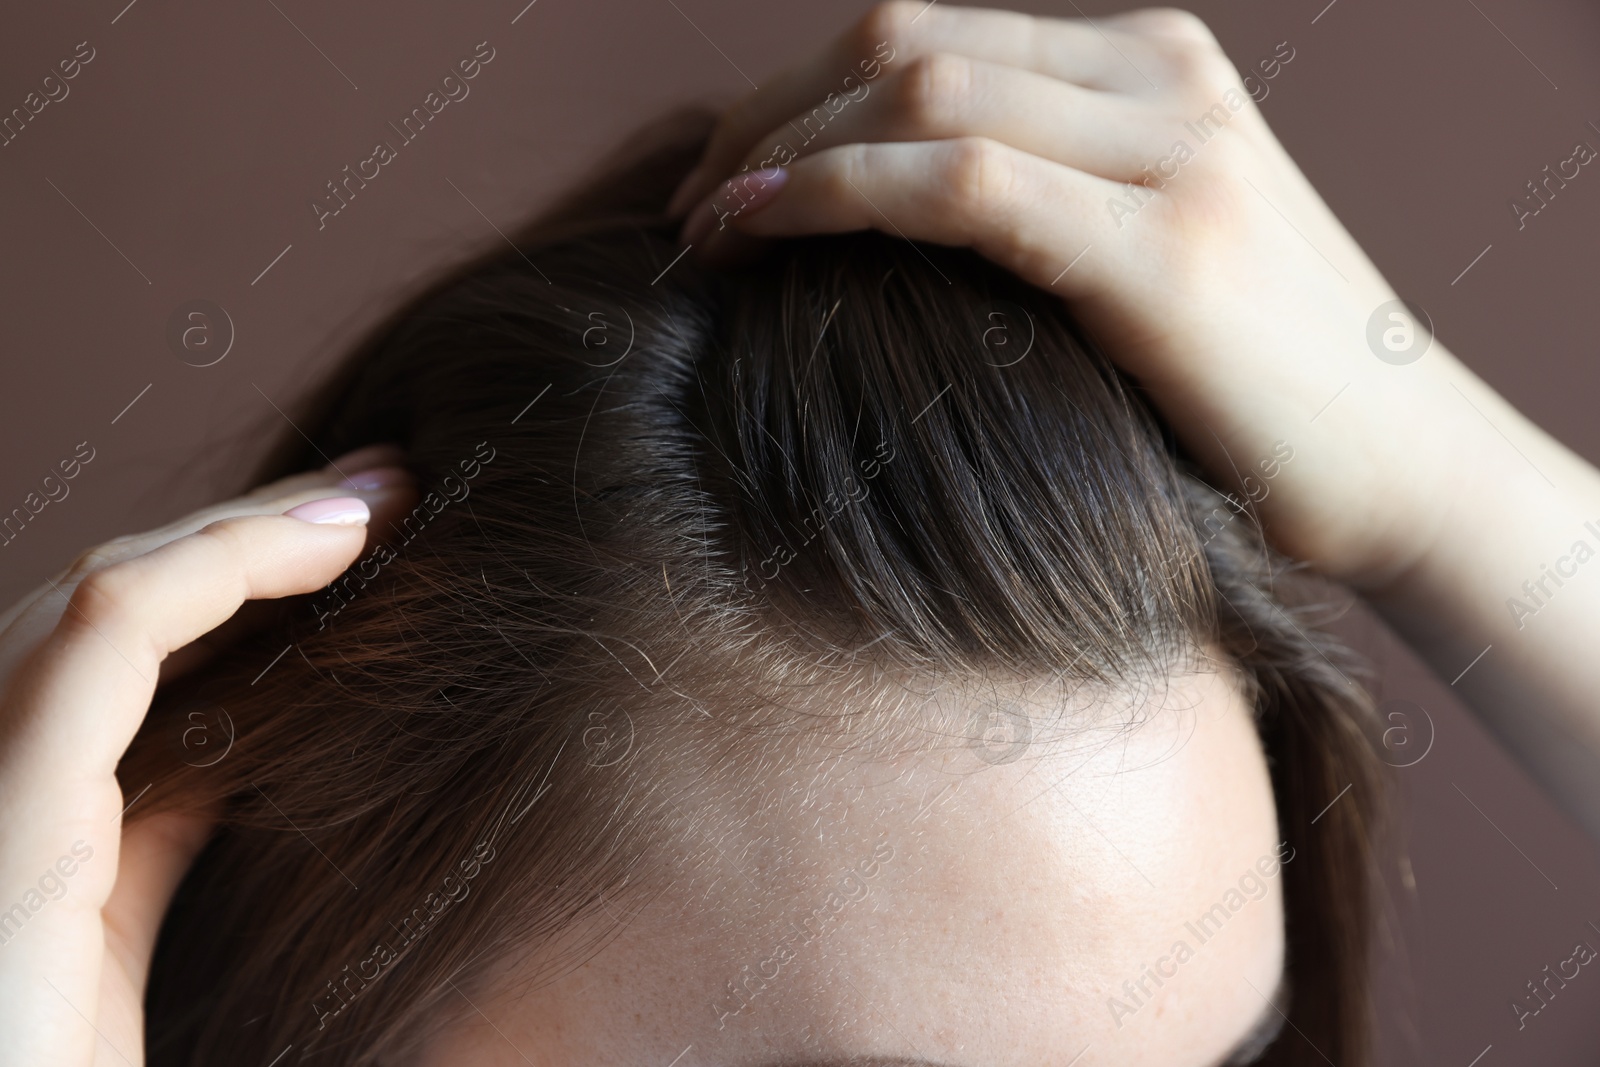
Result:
[{"x": 199, "y": 133}]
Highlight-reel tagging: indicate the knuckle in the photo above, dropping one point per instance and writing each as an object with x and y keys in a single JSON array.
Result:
[
  {"x": 1172, "y": 22},
  {"x": 1183, "y": 44},
  {"x": 1195, "y": 65},
  {"x": 978, "y": 173},
  {"x": 103, "y": 596},
  {"x": 226, "y": 533},
  {"x": 847, "y": 173},
  {"x": 934, "y": 87},
  {"x": 97, "y": 558},
  {"x": 888, "y": 23}
]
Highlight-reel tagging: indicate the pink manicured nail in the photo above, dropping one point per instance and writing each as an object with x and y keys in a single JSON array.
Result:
[
  {"x": 756, "y": 189},
  {"x": 339, "y": 510},
  {"x": 741, "y": 195},
  {"x": 377, "y": 478}
]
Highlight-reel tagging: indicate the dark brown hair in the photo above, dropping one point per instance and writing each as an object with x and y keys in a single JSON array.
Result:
[{"x": 663, "y": 505}]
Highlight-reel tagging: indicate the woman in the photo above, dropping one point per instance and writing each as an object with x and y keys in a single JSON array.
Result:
[{"x": 823, "y": 659}]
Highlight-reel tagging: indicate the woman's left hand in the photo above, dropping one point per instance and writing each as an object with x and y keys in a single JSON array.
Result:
[{"x": 84, "y": 883}]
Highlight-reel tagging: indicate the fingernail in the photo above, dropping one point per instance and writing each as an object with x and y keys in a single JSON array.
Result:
[
  {"x": 367, "y": 457},
  {"x": 757, "y": 189},
  {"x": 339, "y": 510},
  {"x": 739, "y": 196},
  {"x": 377, "y": 478},
  {"x": 749, "y": 192}
]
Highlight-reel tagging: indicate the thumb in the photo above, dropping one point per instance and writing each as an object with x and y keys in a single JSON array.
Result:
[{"x": 155, "y": 854}]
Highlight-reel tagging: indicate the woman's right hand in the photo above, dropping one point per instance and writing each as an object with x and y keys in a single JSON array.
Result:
[
  {"x": 81, "y": 895},
  {"x": 1229, "y": 289},
  {"x": 1073, "y": 154}
]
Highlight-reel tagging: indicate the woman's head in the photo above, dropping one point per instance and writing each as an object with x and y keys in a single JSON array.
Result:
[{"x": 828, "y": 659}]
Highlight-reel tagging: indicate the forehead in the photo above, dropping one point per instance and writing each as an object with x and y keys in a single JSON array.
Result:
[{"x": 1111, "y": 887}]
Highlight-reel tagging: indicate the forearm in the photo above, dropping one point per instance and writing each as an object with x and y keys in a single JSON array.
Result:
[{"x": 1504, "y": 600}]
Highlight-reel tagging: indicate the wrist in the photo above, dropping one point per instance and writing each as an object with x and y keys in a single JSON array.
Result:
[
  {"x": 1403, "y": 465},
  {"x": 1502, "y": 496}
]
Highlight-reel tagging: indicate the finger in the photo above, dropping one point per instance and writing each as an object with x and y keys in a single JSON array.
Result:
[
  {"x": 362, "y": 471},
  {"x": 895, "y": 33},
  {"x": 388, "y": 491},
  {"x": 78, "y": 700},
  {"x": 944, "y": 95},
  {"x": 1015, "y": 209},
  {"x": 77, "y": 972},
  {"x": 302, "y": 485},
  {"x": 382, "y": 454},
  {"x": 344, "y": 472},
  {"x": 152, "y": 859},
  {"x": 366, "y": 473},
  {"x": 70, "y": 712},
  {"x": 389, "y": 506},
  {"x": 253, "y": 617},
  {"x": 371, "y": 486}
]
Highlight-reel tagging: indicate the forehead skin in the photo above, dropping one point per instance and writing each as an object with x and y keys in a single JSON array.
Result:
[{"x": 945, "y": 907}]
